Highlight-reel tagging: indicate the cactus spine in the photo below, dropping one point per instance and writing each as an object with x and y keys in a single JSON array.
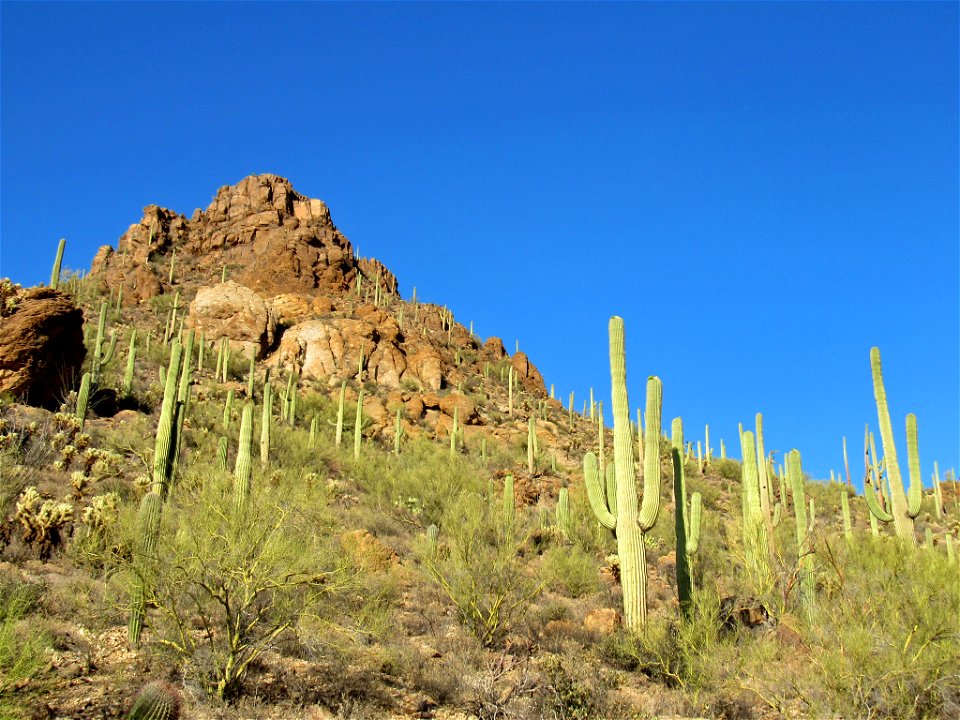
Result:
[
  {"x": 687, "y": 525},
  {"x": 83, "y": 398},
  {"x": 55, "y": 274},
  {"x": 165, "y": 444},
  {"x": 901, "y": 509},
  {"x": 243, "y": 468}
]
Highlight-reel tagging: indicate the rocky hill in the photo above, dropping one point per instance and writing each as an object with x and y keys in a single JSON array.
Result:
[{"x": 236, "y": 461}]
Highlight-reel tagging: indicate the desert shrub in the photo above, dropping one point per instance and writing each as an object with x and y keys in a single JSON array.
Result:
[
  {"x": 727, "y": 469},
  {"x": 477, "y": 565},
  {"x": 21, "y": 643},
  {"x": 885, "y": 640},
  {"x": 571, "y": 571},
  {"x": 420, "y": 483},
  {"x": 243, "y": 578}
]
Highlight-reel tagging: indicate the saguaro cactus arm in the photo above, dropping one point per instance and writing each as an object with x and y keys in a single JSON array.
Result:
[{"x": 595, "y": 493}]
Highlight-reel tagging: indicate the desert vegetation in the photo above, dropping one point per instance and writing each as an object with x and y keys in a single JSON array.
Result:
[{"x": 257, "y": 544}]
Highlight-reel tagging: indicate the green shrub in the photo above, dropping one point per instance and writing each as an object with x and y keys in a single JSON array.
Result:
[
  {"x": 22, "y": 644},
  {"x": 477, "y": 566},
  {"x": 247, "y": 578},
  {"x": 571, "y": 571}
]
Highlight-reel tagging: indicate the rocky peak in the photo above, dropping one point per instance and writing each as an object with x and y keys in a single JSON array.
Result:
[{"x": 271, "y": 239}]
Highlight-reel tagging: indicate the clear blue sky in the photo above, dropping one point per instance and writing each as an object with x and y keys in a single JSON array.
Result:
[{"x": 763, "y": 191}]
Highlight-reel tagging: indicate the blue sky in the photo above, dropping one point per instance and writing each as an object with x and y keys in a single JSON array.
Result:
[{"x": 763, "y": 191}]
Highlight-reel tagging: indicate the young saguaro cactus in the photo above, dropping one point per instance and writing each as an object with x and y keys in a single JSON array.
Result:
[
  {"x": 57, "y": 261},
  {"x": 903, "y": 508},
  {"x": 83, "y": 398},
  {"x": 630, "y": 522},
  {"x": 756, "y": 541},
  {"x": 166, "y": 442},
  {"x": 265, "y": 422},
  {"x": 564, "y": 522},
  {"x": 686, "y": 523},
  {"x": 131, "y": 364},
  {"x": 243, "y": 469},
  {"x": 804, "y": 546},
  {"x": 148, "y": 530}
]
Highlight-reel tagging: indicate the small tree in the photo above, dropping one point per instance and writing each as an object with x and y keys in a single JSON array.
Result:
[
  {"x": 476, "y": 562},
  {"x": 229, "y": 584}
]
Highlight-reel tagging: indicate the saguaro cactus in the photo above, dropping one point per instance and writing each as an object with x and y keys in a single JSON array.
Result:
[
  {"x": 55, "y": 274},
  {"x": 165, "y": 444},
  {"x": 804, "y": 550},
  {"x": 686, "y": 523},
  {"x": 265, "y": 423},
  {"x": 243, "y": 469},
  {"x": 902, "y": 508},
  {"x": 756, "y": 541},
  {"x": 630, "y": 522},
  {"x": 148, "y": 530},
  {"x": 131, "y": 364},
  {"x": 564, "y": 522},
  {"x": 358, "y": 427},
  {"x": 343, "y": 391},
  {"x": 83, "y": 398}
]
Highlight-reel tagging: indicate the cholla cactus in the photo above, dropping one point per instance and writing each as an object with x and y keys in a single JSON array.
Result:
[
  {"x": 101, "y": 512},
  {"x": 43, "y": 520},
  {"x": 79, "y": 482}
]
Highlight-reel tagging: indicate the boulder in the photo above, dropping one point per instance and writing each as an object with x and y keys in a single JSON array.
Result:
[
  {"x": 603, "y": 622},
  {"x": 233, "y": 311},
  {"x": 528, "y": 375},
  {"x": 427, "y": 367},
  {"x": 41, "y": 344},
  {"x": 493, "y": 348},
  {"x": 465, "y": 408}
]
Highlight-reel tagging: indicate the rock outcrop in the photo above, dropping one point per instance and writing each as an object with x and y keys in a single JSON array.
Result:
[
  {"x": 235, "y": 312},
  {"x": 271, "y": 239},
  {"x": 41, "y": 345}
]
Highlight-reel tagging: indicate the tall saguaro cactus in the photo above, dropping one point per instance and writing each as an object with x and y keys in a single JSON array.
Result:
[
  {"x": 148, "y": 530},
  {"x": 804, "y": 545},
  {"x": 166, "y": 429},
  {"x": 903, "y": 508},
  {"x": 686, "y": 523},
  {"x": 243, "y": 469},
  {"x": 55, "y": 274},
  {"x": 631, "y": 522},
  {"x": 756, "y": 540}
]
